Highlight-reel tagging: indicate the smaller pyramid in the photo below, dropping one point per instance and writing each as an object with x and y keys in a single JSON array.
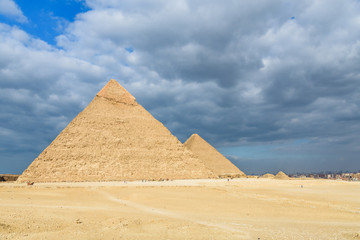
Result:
[
  {"x": 213, "y": 160},
  {"x": 281, "y": 175},
  {"x": 267, "y": 175}
]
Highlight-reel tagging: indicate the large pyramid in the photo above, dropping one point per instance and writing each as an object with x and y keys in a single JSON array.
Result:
[
  {"x": 214, "y": 160},
  {"x": 114, "y": 138}
]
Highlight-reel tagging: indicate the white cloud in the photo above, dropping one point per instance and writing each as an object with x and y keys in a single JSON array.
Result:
[{"x": 10, "y": 9}]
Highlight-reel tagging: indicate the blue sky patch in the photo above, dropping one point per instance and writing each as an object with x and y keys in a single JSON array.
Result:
[
  {"x": 129, "y": 49},
  {"x": 47, "y": 19}
]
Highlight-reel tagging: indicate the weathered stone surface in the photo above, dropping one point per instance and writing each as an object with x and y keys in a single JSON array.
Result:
[{"x": 115, "y": 92}]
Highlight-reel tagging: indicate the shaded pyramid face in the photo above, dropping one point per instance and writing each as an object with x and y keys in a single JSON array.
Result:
[
  {"x": 214, "y": 160},
  {"x": 114, "y": 138}
]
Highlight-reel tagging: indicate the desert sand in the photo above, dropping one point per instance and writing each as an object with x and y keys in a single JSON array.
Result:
[{"x": 182, "y": 209}]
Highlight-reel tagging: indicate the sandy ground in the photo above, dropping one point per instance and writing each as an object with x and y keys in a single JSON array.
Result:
[{"x": 188, "y": 209}]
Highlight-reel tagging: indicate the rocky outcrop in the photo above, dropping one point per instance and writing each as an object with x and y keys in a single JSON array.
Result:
[{"x": 8, "y": 177}]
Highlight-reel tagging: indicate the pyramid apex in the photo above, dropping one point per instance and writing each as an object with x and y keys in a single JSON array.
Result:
[
  {"x": 197, "y": 137},
  {"x": 114, "y": 91},
  {"x": 192, "y": 138}
]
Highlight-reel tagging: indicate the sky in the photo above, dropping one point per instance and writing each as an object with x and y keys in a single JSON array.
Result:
[{"x": 273, "y": 85}]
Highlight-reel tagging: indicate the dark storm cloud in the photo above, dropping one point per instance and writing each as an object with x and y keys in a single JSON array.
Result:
[
  {"x": 239, "y": 74},
  {"x": 194, "y": 41}
]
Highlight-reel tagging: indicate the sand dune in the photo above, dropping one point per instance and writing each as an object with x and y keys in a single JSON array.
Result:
[{"x": 182, "y": 209}]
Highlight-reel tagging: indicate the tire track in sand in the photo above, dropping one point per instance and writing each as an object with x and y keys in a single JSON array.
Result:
[{"x": 170, "y": 214}]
